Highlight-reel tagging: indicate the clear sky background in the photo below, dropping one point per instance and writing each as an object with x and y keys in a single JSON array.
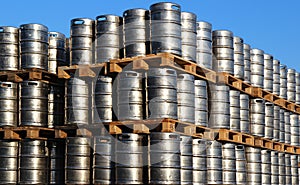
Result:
[{"x": 271, "y": 25}]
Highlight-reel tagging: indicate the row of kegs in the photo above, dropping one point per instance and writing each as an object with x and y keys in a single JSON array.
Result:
[{"x": 158, "y": 158}]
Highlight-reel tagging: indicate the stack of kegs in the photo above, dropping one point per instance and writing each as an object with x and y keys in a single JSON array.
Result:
[
  {"x": 281, "y": 126},
  {"x": 294, "y": 169},
  {"x": 186, "y": 159},
  {"x": 223, "y": 60},
  {"x": 282, "y": 170},
  {"x": 204, "y": 44}
]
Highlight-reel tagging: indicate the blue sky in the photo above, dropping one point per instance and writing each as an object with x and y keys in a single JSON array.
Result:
[{"x": 271, "y": 25}]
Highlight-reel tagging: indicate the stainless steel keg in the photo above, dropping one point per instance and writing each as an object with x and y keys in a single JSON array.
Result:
[
  {"x": 241, "y": 173},
  {"x": 257, "y": 68},
  {"x": 129, "y": 159},
  {"x": 56, "y": 150},
  {"x": 165, "y": 29},
  {"x": 274, "y": 167},
  {"x": 136, "y": 32},
  {"x": 276, "y": 76},
  {"x": 34, "y": 46},
  {"x": 294, "y": 121},
  {"x": 9, "y": 47},
  {"x": 8, "y": 104},
  {"x": 108, "y": 37},
  {"x": 276, "y": 123},
  {"x": 33, "y": 162},
  {"x": 245, "y": 113},
  {"x": 204, "y": 44},
  {"x": 186, "y": 159},
  {"x": 199, "y": 161},
  {"x": 235, "y": 108},
  {"x": 282, "y": 175},
  {"x": 57, "y": 51},
  {"x": 281, "y": 126},
  {"x": 56, "y": 105},
  {"x": 77, "y": 102},
  {"x": 161, "y": 93},
  {"x": 130, "y": 95},
  {"x": 269, "y": 120},
  {"x": 268, "y": 72},
  {"x": 164, "y": 158},
  {"x": 82, "y": 41},
  {"x": 266, "y": 166},
  {"x": 239, "y": 66},
  {"x": 287, "y": 127},
  {"x": 201, "y": 103},
  {"x": 103, "y": 163},
  {"x": 247, "y": 63},
  {"x": 78, "y": 156},
  {"x": 229, "y": 163},
  {"x": 283, "y": 81},
  {"x": 214, "y": 163},
  {"x": 8, "y": 162},
  {"x": 103, "y": 100},
  {"x": 186, "y": 98},
  {"x": 254, "y": 167},
  {"x": 34, "y": 103},
  {"x": 189, "y": 36},
  {"x": 257, "y": 117},
  {"x": 291, "y": 85}
]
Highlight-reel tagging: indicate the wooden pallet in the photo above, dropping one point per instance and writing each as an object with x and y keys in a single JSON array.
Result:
[
  {"x": 256, "y": 92},
  {"x": 27, "y": 133},
  {"x": 233, "y": 136},
  {"x": 162, "y": 60},
  {"x": 159, "y": 125},
  {"x": 28, "y": 74},
  {"x": 82, "y": 70}
]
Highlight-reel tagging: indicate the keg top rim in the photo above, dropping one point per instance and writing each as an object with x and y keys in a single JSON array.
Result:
[
  {"x": 56, "y": 34},
  {"x": 130, "y": 136},
  {"x": 165, "y": 6},
  {"x": 268, "y": 56},
  {"x": 108, "y": 18},
  {"x": 82, "y": 21},
  {"x": 35, "y": 26},
  {"x": 222, "y": 33},
  {"x": 237, "y": 39},
  {"x": 188, "y": 16},
  {"x": 186, "y": 77},
  {"x": 276, "y": 61},
  {"x": 247, "y": 46},
  {"x": 204, "y": 24},
  {"x": 136, "y": 11},
  {"x": 4, "y": 29},
  {"x": 256, "y": 51},
  {"x": 291, "y": 70}
]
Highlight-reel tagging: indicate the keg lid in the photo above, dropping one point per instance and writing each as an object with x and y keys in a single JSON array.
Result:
[
  {"x": 188, "y": 16},
  {"x": 154, "y": 72},
  {"x": 102, "y": 139},
  {"x": 238, "y": 40},
  {"x": 269, "y": 104},
  {"x": 82, "y": 21},
  {"x": 78, "y": 140},
  {"x": 129, "y": 137},
  {"x": 222, "y": 33},
  {"x": 268, "y": 56},
  {"x": 297, "y": 74},
  {"x": 34, "y": 26},
  {"x": 9, "y": 29},
  {"x": 56, "y": 35},
  {"x": 74, "y": 80},
  {"x": 276, "y": 62},
  {"x": 247, "y": 47},
  {"x": 104, "y": 79},
  {"x": 140, "y": 12},
  {"x": 199, "y": 141},
  {"x": 201, "y": 83},
  {"x": 108, "y": 18},
  {"x": 34, "y": 84},
  {"x": 256, "y": 51},
  {"x": 165, "y": 6},
  {"x": 130, "y": 74},
  {"x": 164, "y": 135},
  {"x": 291, "y": 70},
  {"x": 202, "y": 25},
  {"x": 8, "y": 85}
]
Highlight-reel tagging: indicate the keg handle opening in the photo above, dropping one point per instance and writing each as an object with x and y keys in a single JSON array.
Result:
[
  {"x": 124, "y": 136},
  {"x": 240, "y": 147},
  {"x": 53, "y": 35},
  {"x": 32, "y": 83},
  {"x": 1, "y": 29},
  {"x": 172, "y": 136},
  {"x": 102, "y": 18},
  {"x": 5, "y": 85},
  {"x": 129, "y": 74},
  {"x": 103, "y": 140},
  {"x": 170, "y": 72},
  {"x": 78, "y": 22},
  {"x": 125, "y": 14},
  {"x": 175, "y": 7},
  {"x": 259, "y": 101}
]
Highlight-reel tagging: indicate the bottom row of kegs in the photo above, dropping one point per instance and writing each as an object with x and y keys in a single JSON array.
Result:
[{"x": 158, "y": 158}]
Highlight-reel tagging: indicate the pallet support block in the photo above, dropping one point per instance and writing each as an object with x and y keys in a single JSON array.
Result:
[
  {"x": 9, "y": 134},
  {"x": 140, "y": 64},
  {"x": 140, "y": 129},
  {"x": 168, "y": 126},
  {"x": 115, "y": 68},
  {"x": 114, "y": 129}
]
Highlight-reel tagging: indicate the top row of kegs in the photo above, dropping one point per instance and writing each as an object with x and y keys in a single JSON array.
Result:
[{"x": 31, "y": 46}]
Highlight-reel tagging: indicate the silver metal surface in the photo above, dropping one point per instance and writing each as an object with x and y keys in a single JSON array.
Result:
[
  {"x": 34, "y": 104},
  {"x": 103, "y": 160},
  {"x": 222, "y": 39},
  {"x": 136, "y": 32},
  {"x": 108, "y": 37},
  {"x": 161, "y": 93},
  {"x": 204, "y": 44},
  {"x": 241, "y": 174},
  {"x": 247, "y": 63},
  {"x": 57, "y": 51},
  {"x": 103, "y": 100},
  {"x": 269, "y": 120},
  {"x": 257, "y": 117},
  {"x": 287, "y": 127},
  {"x": 8, "y": 104},
  {"x": 186, "y": 159},
  {"x": 229, "y": 163},
  {"x": 235, "y": 110},
  {"x": 8, "y": 162},
  {"x": 199, "y": 161},
  {"x": 164, "y": 158},
  {"x": 268, "y": 72},
  {"x": 214, "y": 163},
  {"x": 78, "y": 154},
  {"x": 274, "y": 167},
  {"x": 33, "y": 162},
  {"x": 165, "y": 29},
  {"x": 189, "y": 36},
  {"x": 130, "y": 95},
  {"x": 239, "y": 68},
  {"x": 77, "y": 102},
  {"x": 56, "y": 105},
  {"x": 34, "y": 46},
  {"x": 244, "y": 113},
  {"x": 56, "y": 161},
  {"x": 257, "y": 68},
  {"x": 82, "y": 41},
  {"x": 291, "y": 85},
  {"x": 9, "y": 47},
  {"x": 201, "y": 103},
  {"x": 283, "y": 81},
  {"x": 129, "y": 159},
  {"x": 186, "y": 97}
]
